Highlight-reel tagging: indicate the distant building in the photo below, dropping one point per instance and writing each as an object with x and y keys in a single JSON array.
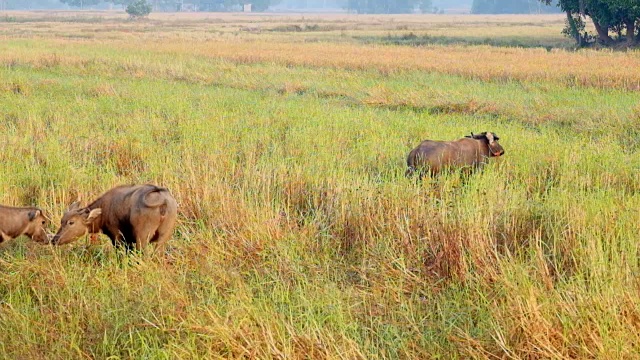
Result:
[{"x": 246, "y": 8}]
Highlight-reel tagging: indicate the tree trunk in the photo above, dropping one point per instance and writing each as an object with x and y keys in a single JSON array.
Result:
[
  {"x": 631, "y": 31},
  {"x": 603, "y": 33},
  {"x": 574, "y": 29}
]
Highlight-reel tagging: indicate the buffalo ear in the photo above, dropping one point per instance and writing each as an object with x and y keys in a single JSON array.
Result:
[
  {"x": 74, "y": 206},
  {"x": 33, "y": 213},
  {"x": 93, "y": 215}
]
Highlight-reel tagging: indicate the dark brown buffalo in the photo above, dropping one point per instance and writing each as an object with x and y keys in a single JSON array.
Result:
[
  {"x": 16, "y": 221},
  {"x": 468, "y": 153},
  {"x": 133, "y": 215}
]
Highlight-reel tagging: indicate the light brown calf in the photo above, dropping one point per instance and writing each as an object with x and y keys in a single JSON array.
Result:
[{"x": 16, "y": 221}]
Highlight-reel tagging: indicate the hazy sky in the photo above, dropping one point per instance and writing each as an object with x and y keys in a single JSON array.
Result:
[{"x": 283, "y": 4}]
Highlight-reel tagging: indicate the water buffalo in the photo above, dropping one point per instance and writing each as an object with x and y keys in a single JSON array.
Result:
[
  {"x": 130, "y": 215},
  {"x": 16, "y": 221},
  {"x": 468, "y": 153}
]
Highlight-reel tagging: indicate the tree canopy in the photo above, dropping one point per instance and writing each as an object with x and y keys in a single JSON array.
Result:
[
  {"x": 614, "y": 20},
  {"x": 139, "y": 9}
]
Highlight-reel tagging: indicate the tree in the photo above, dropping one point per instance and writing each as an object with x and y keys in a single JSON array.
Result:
[
  {"x": 139, "y": 9},
  {"x": 608, "y": 16},
  {"x": 628, "y": 11}
]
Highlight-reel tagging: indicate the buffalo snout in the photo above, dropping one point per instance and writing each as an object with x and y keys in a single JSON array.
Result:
[
  {"x": 54, "y": 239},
  {"x": 497, "y": 150}
]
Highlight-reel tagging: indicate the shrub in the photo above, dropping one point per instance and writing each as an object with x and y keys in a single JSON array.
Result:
[{"x": 138, "y": 9}]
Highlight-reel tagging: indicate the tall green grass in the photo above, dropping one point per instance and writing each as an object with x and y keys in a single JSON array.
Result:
[{"x": 299, "y": 236}]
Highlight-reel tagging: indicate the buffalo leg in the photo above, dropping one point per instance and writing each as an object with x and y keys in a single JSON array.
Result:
[
  {"x": 115, "y": 236},
  {"x": 161, "y": 244},
  {"x": 144, "y": 234},
  {"x": 123, "y": 240},
  {"x": 165, "y": 232},
  {"x": 3, "y": 237}
]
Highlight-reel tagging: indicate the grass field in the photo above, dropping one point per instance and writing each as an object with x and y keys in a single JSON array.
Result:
[{"x": 283, "y": 138}]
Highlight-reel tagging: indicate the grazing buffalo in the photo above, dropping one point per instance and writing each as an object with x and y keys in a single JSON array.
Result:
[
  {"x": 468, "y": 153},
  {"x": 133, "y": 215},
  {"x": 16, "y": 221}
]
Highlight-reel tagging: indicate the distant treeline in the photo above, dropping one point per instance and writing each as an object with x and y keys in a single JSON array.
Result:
[
  {"x": 357, "y": 6},
  {"x": 389, "y": 6},
  {"x": 158, "y": 5},
  {"x": 512, "y": 7},
  {"x": 30, "y": 4}
]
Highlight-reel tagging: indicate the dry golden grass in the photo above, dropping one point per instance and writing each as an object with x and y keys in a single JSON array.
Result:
[
  {"x": 221, "y": 36},
  {"x": 484, "y": 63}
]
